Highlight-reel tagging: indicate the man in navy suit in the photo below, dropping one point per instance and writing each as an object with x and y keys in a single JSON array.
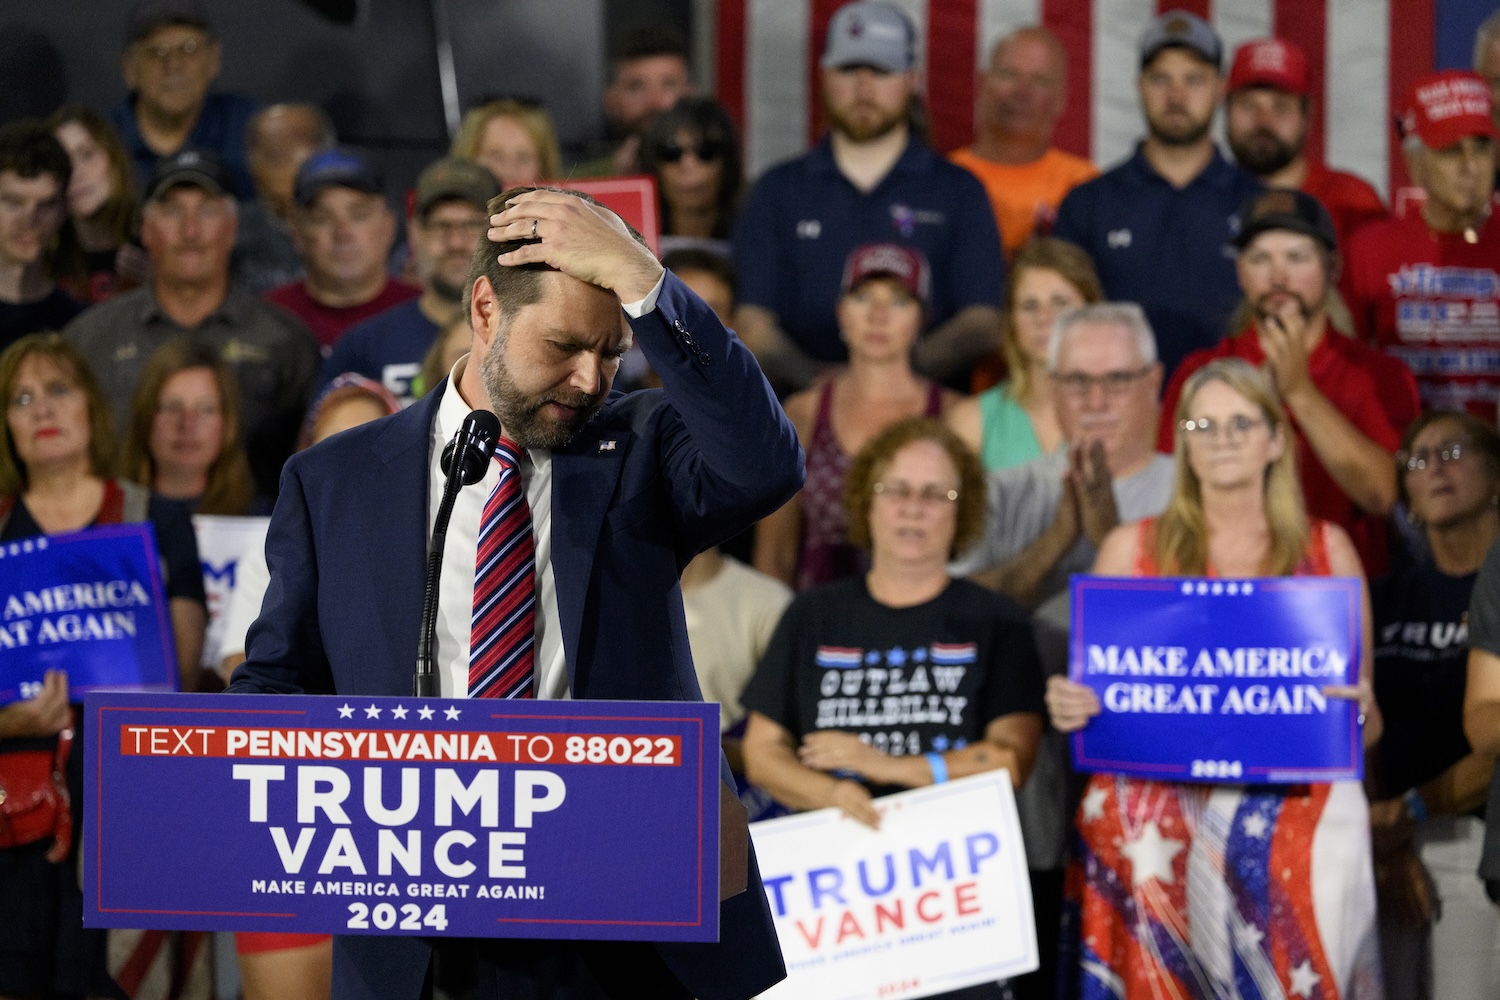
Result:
[{"x": 623, "y": 491}]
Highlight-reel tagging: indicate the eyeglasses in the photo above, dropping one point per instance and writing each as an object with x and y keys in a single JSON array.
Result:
[
  {"x": 54, "y": 392},
  {"x": 185, "y": 49},
  {"x": 179, "y": 411},
  {"x": 1113, "y": 383},
  {"x": 1234, "y": 430},
  {"x": 707, "y": 151},
  {"x": 901, "y": 491},
  {"x": 1423, "y": 458}
]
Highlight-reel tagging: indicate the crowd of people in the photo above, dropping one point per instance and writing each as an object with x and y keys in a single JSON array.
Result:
[{"x": 1004, "y": 366}]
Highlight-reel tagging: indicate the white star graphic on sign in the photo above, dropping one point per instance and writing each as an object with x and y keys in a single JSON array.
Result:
[
  {"x": 424, "y": 712},
  {"x": 1249, "y": 936},
  {"x": 373, "y": 712},
  {"x": 1304, "y": 979},
  {"x": 399, "y": 712},
  {"x": 345, "y": 711},
  {"x": 451, "y": 712},
  {"x": 1093, "y": 803},
  {"x": 1255, "y": 825},
  {"x": 1151, "y": 855}
]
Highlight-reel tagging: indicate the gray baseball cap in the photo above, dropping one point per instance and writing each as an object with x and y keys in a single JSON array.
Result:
[
  {"x": 1184, "y": 30},
  {"x": 870, "y": 33}
]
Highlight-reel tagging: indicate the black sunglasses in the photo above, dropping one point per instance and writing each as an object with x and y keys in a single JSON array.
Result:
[{"x": 707, "y": 151}]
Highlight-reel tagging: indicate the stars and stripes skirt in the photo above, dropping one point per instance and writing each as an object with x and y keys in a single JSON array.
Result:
[{"x": 1222, "y": 891}]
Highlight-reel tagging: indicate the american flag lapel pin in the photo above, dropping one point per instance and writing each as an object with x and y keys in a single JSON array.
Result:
[{"x": 607, "y": 445}]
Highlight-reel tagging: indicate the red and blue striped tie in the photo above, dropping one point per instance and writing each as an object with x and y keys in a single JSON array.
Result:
[{"x": 502, "y": 637}]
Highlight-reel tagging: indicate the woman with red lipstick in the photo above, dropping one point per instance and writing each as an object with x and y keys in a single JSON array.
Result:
[
  {"x": 184, "y": 438},
  {"x": 56, "y": 466},
  {"x": 880, "y": 313},
  {"x": 1429, "y": 783}
]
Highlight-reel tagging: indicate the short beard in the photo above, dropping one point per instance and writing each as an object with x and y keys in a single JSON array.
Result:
[
  {"x": 865, "y": 130},
  {"x": 1188, "y": 135},
  {"x": 520, "y": 414},
  {"x": 1263, "y": 153},
  {"x": 446, "y": 290}
]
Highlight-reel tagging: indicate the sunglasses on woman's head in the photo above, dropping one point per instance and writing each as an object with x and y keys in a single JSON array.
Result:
[{"x": 707, "y": 151}]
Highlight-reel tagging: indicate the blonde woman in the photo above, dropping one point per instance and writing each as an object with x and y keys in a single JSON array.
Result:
[
  {"x": 1014, "y": 421},
  {"x": 1187, "y": 889},
  {"x": 512, "y": 139}
]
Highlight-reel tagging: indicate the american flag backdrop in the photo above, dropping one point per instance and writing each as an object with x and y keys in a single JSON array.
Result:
[{"x": 1363, "y": 56}]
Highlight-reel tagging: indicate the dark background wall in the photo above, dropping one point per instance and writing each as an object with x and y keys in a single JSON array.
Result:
[{"x": 377, "y": 76}]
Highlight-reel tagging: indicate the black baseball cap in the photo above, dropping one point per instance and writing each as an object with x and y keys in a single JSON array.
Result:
[
  {"x": 198, "y": 167},
  {"x": 336, "y": 168},
  {"x": 149, "y": 15},
  {"x": 1283, "y": 208}
]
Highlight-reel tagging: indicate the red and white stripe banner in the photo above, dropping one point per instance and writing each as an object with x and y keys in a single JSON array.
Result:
[{"x": 1363, "y": 56}]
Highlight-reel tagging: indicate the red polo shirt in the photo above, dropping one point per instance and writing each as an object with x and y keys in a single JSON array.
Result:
[
  {"x": 1432, "y": 300},
  {"x": 1373, "y": 390},
  {"x": 328, "y": 323}
]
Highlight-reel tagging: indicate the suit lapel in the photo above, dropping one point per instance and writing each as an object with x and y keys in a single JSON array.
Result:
[
  {"x": 583, "y": 481},
  {"x": 398, "y": 523}
]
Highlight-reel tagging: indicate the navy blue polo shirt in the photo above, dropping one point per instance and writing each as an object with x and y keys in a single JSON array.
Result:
[
  {"x": 803, "y": 217},
  {"x": 220, "y": 128},
  {"x": 388, "y": 347},
  {"x": 1165, "y": 248}
]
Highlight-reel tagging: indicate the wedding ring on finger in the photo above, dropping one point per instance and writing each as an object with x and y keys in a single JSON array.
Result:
[{"x": 533, "y": 229}]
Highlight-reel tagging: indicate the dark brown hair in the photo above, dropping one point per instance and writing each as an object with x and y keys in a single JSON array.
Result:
[
  {"x": 228, "y": 488},
  {"x": 520, "y": 285},
  {"x": 66, "y": 357},
  {"x": 874, "y": 459},
  {"x": 119, "y": 212}
]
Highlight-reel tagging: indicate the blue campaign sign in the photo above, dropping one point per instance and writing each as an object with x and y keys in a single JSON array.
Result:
[
  {"x": 1219, "y": 680},
  {"x": 418, "y": 816},
  {"x": 90, "y": 604}
]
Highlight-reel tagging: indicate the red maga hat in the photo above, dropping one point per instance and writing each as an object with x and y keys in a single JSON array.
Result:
[
  {"x": 1270, "y": 62},
  {"x": 1446, "y": 107}
]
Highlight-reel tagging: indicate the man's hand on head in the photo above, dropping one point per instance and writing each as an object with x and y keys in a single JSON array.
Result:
[{"x": 587, "y": 242}]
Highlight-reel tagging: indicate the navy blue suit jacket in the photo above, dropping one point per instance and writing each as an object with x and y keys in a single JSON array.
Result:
[{"x": 655, "y": 478}]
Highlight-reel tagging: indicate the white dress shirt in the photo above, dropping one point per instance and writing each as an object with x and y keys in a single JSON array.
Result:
[{"x": 456, "y": 590}]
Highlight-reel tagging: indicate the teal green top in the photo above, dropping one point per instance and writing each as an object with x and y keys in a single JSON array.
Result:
[{"x": 1005, "y": 430}]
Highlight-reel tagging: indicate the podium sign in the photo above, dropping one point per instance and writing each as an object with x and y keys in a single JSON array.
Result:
[
  {"x": 1219, "y": 680},
  {"x": 417, "y": 816}
]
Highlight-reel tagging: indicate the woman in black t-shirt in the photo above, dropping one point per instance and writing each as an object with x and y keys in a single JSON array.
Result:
[
  {"x": 902, "y": 677},
  {"x": 54, "y": 479},
  {"x": 1429, "y": 784}
]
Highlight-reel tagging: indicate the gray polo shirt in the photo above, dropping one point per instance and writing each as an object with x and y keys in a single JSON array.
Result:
[
  {"x": 272, "y": 355},
  {"x": 1023, "y": 501}
]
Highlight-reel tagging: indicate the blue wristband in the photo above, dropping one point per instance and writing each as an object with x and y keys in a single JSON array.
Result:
[
  {"x": 1415, "y": 805},
  {"x": 939, "y": 767}
]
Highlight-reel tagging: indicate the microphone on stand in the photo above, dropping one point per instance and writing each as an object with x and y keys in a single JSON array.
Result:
[{"x": 465, "y": 460}]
